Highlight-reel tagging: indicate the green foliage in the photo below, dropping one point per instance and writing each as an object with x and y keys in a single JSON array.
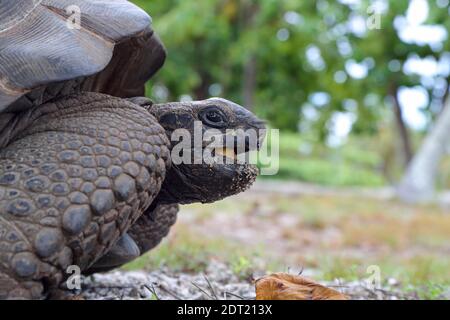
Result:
[
  {"x": 212, "y": 41},
  {"x": 259, "y": 49}
]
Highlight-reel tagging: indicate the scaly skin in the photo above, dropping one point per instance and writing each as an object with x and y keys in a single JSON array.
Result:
[
  {"x": 75, "y": 174},
  {"x": 185, "y": 183},
  {"x": 147, "y": 232},
  {"x": 153, "y": 226},
  {"x": 84, "y": 169}
]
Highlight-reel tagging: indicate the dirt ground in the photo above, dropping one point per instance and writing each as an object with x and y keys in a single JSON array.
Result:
[
  {"x": 336, "y": 236},
  {"x": 217, "y": 282}
]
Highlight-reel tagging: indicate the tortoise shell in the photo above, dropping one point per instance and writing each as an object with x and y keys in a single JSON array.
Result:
[{"x": 43, "y": 55}]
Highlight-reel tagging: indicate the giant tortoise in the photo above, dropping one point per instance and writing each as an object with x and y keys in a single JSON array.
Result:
[{"x": 86, "y": 172}]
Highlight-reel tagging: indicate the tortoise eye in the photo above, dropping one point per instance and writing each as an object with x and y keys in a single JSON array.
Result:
[{"x": 213, "y": 117}]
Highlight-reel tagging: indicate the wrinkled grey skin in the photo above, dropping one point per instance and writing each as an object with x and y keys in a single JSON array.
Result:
[
  {"x": 144, "y": 235},
  {"x": 84, "y": 178},
  {"x": 200, "y": 182},
  {"x": 183, "y": 183}
]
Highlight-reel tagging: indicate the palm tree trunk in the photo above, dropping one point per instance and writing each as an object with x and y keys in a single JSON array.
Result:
[
  {"x": 405, "y": 141},
  {"x": 418, "y": 183}
]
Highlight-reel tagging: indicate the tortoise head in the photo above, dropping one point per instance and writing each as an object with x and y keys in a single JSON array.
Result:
[{"x": 210, "y": 145}]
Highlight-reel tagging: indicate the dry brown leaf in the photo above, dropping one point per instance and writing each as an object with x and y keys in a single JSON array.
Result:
[{"x": 284, "y": 286}]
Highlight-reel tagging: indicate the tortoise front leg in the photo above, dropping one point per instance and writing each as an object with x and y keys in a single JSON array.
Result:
[
  {"x": 153, "y": 226},
  {"x": 144, "y": 235},
  {"x": 71, "y": 184}
]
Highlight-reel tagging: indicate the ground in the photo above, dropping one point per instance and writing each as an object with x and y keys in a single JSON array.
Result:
[
  {"x": 217, "y": 282},
  {"x": 336, "y": 236}
]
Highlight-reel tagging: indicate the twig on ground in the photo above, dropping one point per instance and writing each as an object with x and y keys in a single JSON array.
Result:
[
  {"x": 152, "y": 290},
  {"x": 211, "y": 287},
  {"x": 203, "y": 291},
  {"x": 170, "y": 292},
  {"x": 234, "y": 295}
]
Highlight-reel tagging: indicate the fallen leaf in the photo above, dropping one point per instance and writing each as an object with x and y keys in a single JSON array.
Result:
[{"x": 284, "y": 286}]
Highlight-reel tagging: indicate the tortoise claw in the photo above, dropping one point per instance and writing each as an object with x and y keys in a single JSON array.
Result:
[{"x": 125, "y": 250}]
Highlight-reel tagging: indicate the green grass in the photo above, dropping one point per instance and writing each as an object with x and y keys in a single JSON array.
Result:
[
  {"x": 426, "y": 270},
  {"x": 184, "y": 253},
  {"x": 423, "y": 277},
  {"x": 362, "y": 161},
  {"x": 188, "y": 252},
  {"x": 350, "y": 165}
]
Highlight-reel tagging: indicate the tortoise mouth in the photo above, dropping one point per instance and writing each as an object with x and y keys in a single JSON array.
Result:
[
  {"x": 205, "y": 183},
  {"x": 216, "y": 154},
  {"x": 229, "y": 156},
  {"x": 238, "y": 150}
]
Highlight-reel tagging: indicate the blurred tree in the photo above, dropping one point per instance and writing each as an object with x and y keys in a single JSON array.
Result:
[
  {"x": 389, "y": 54},
  {"x": 254, "y": 52},
  {"x": 419, "y": 181},
  {"x": 300, "y": 64}
]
